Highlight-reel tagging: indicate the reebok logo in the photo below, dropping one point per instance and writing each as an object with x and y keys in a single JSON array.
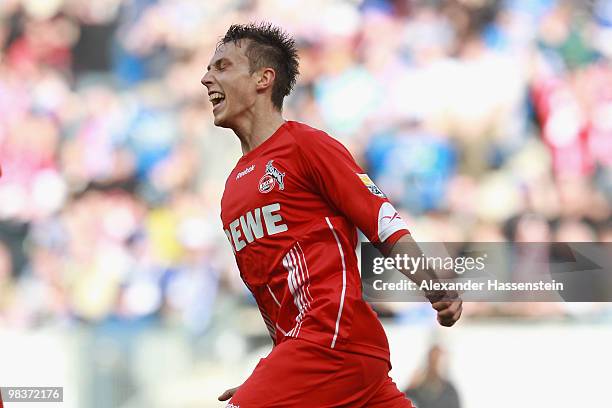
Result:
[
  {"x": 245, "y": 171},
  {"x": 230, "y": 405}
]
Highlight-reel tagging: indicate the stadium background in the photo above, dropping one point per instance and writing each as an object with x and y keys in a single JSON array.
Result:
[{"x": 481, "y": 120}]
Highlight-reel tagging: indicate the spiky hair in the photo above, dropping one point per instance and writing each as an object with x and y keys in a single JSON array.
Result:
[{"x": 268, "y": 46}]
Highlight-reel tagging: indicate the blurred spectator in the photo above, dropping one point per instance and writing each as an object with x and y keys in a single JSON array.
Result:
[
  {"x": 470, "y": 115},
  {"x": 430, "y": 388}
]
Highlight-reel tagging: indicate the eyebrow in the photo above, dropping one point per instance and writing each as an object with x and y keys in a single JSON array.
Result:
[{"x": 218, "y": 63}]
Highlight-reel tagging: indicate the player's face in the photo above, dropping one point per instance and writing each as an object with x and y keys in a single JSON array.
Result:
[{"x": 231, "y": 88}]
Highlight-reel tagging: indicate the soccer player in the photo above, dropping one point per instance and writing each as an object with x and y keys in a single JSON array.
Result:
[{"x": 290, "y": 210}]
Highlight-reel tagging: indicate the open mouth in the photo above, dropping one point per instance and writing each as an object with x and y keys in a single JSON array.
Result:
[{"x": 216, "y": 98}]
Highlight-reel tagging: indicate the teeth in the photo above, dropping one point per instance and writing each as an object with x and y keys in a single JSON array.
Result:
[{"x": 215, "y": 95}]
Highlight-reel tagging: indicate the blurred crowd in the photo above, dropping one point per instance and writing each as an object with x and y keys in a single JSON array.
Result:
[{"x": 482, "y": 120}]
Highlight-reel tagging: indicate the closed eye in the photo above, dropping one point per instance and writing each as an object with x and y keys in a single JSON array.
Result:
[{"x": 219, "y": 65}]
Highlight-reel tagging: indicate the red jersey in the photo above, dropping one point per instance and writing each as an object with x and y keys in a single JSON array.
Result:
[{"x": 291, "y": 209}]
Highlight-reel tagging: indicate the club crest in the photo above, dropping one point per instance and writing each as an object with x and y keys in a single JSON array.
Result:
[{"x": 271, "y": 178}]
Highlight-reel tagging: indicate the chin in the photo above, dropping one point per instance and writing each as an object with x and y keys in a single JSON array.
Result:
[
  {"x": 222, "y": 123},
  {"x": 218, "y": 120}
]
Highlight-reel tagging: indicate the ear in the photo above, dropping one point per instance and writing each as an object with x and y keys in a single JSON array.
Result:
[{"x": 265, "y": 79}]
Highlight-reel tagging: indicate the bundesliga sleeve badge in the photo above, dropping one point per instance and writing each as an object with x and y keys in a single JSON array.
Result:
[{"x": 367, "y": 181}]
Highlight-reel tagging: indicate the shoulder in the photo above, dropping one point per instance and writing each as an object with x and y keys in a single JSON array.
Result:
[
  {"x": 309, "y": 139},
  {"x": 302, "y": 133}
]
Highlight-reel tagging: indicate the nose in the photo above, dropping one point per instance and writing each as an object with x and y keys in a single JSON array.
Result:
[{"x": 206, "y": 79}]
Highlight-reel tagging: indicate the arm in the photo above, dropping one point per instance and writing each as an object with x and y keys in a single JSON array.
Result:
[
  {"x": 335, "y": 175},
  {"x": 448, "y": 304}
]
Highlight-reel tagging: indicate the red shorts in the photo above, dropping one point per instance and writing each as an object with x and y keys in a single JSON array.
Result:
[{"x": 298, "y": 373}]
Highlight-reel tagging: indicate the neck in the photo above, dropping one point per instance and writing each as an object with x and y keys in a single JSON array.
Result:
[{"x": 258, "y": 128}]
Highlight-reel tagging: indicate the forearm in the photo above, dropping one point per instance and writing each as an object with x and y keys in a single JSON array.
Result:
[
  {"x": 407, "y": 247},
  {"x": 448, "y": 304}
]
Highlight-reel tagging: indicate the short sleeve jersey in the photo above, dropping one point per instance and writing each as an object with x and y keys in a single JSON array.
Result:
[{"x": 291, "y": 209}]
